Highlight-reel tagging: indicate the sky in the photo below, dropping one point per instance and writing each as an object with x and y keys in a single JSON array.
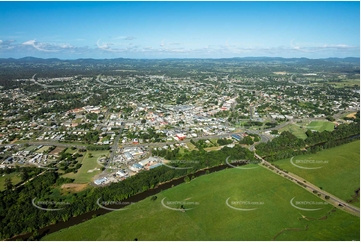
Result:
[{"x": 72, "y": 30}]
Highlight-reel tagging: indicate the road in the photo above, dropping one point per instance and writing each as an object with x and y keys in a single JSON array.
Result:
[
  {"x": 55, "y": 143},
  {"x": 264, "y": 137},
  {"x": 333, "y": 200},
  {"x": 22, "y": 184},
  {"x": 115, "y": 144}
]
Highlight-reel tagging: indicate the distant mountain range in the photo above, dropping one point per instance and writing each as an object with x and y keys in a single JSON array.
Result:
[{"x": 116, "y": 60}]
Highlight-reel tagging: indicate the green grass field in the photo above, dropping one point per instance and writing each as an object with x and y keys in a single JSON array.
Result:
[
  {"x": 42, "y": 149},
  {"x": 299, "y": 130},
  {"x": 15, "y": 178},
  {"x": 70, "y": 150},
  {"x": 210, "y": 218},
  {"x": 30, "y": 148},
  {"x": 212, "y": 148},
  {"x": 296, "y": 130},
  {"x": 191, "y": 146},
  {"x": 83, "y": 176},
  {"x": 346, "y": 83},
  {"x": 321, "y": 126},
  {"x": 339, "y": 173}
]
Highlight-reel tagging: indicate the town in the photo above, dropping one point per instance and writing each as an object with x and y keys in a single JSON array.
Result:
[{"x": 111, "y": 127}]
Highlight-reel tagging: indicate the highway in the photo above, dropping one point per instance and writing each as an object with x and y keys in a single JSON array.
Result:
[{"x": 333, "y": 200}]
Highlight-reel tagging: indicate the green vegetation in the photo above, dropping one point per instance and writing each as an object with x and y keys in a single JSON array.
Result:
[
  {"x": 15, "y": 179},
  {"x": 88, "y": 169},
  {"x": 43, "y": 149},
  {"x": 321, "y": 126},
  {"x": 30, "y": 148},
  {"x": 287, "y": 145},
  {"x": 339, "y": 173},
  {"x": 191, "y": 146},
  {"x": 212, "y": 219},
  {"x": 296, "y": 130},
  {"x": 224, "y": 141},
  {"x": 300, "y": 131},
  {"x": 346, "y": 83},
  {"x": 46, "y": 187}
]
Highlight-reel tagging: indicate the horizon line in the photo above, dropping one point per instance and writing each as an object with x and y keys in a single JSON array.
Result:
[{"x": 178, "y": 58}]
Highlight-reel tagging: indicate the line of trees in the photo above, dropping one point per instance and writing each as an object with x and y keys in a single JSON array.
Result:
[{"x": 287, "y": 145}]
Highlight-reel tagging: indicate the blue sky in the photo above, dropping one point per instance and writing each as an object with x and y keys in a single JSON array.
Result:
[{"x": 71, "y": 30}]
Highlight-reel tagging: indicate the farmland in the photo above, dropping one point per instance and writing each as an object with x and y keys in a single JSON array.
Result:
[
  {"x": 212, "y": 212},
  {"x": 336, "y": 170}
]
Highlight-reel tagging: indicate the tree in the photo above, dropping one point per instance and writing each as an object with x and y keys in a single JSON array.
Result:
[
  {"x": 24, "y": 175},
  {"x": 8, "y": 183},
  {"x": 143, "y": 121},
  {"x": 330, "y": 118},
  {"x": 275, "y": 131}
]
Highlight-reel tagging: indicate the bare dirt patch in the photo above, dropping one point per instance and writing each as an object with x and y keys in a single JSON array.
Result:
[
  {"x": 351, "y": 115},
  {"x": 73, "y": 187},
  {"x": 12, "y": 142},
  {"x": 56, "y": 151}
]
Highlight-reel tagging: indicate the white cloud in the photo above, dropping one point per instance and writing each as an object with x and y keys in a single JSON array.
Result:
[
  {"x": 105, "y": 46},
  {"x": 108, "y": 47},
  {"x": 125, "y": 38},
  {"x": 316, "y": 47},
  {"x": 40, "y": 46},
  {"x": 66, "y": 46}
]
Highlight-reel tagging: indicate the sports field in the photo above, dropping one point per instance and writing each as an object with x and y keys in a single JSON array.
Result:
[
  {"x": 89, "y": 167},
  {"x": 336, "y": 170},
  {"x": 233, "y": 204}
]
